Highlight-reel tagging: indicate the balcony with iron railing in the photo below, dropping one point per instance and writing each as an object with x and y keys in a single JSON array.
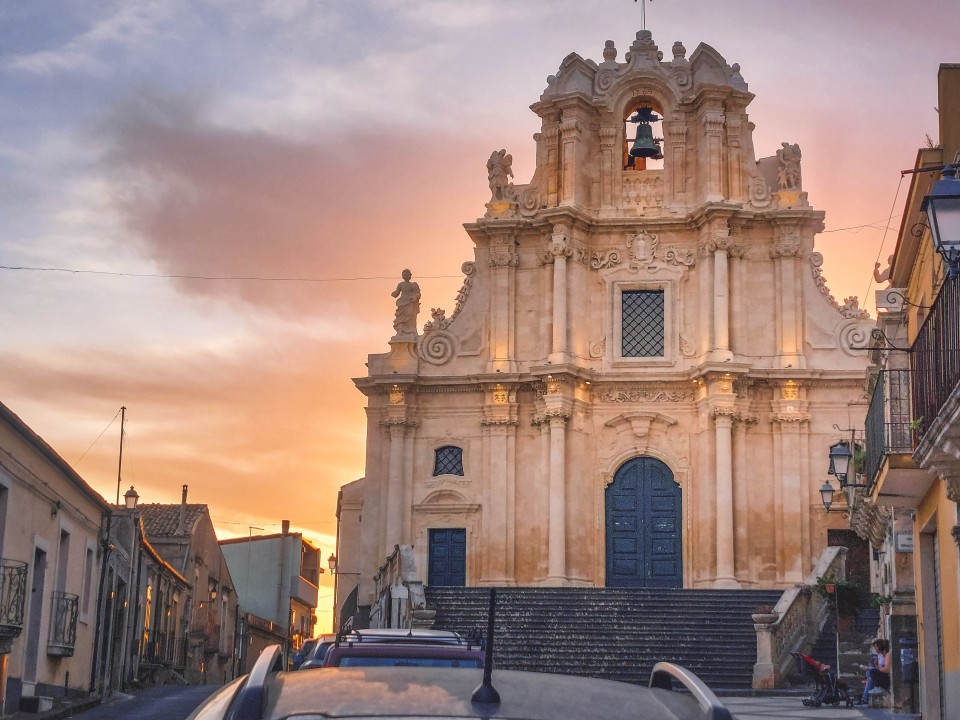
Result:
[
  {"x": 13, "y": 593},
  {"x": 892, "y": 476},
  {"x": 935, "y": 358},
  {"x": 64, "y": 609}
]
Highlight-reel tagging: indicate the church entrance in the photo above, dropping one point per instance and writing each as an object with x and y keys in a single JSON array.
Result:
[
  {"x": 447, "y": 559},
  {"x": 643, "y": 526}
]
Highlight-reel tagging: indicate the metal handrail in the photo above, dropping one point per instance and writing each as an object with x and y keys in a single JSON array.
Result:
[
  {"x": 889, "y": 426},
  {"x": 935, "y": 356},
  {"x": 13, "y": 592},
  {"x": 64, "y": 610}
]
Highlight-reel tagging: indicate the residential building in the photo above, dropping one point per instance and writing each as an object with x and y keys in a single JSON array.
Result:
[
  {"x": 917, "y": 426},
  {"x": 184, "y": 536},
  {"x": 50, "y": 526},
  {"x": 277, "y": 578},
  {"x": 644, "y": 369}
]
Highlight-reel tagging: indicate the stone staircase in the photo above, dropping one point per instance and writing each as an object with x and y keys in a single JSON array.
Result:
[
  {"x": 613, "y": 633},
  {"x": 854, "y": 646}
]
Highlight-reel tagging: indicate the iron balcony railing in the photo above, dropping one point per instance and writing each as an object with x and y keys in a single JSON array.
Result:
[
  {"x": 889, "y": 426},
  {"x": 165, "y": 649},
  {"x": 64, "y": 608},
  {"x": 935, "y": 356},
  {"x": 13, "y": 593}
]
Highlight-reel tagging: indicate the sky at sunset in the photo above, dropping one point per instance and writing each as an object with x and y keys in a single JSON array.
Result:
[{"x": 158, "y": 149}]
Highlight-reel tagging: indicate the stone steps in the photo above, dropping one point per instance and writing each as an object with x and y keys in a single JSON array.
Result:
[{"x": 613, "y": 633}]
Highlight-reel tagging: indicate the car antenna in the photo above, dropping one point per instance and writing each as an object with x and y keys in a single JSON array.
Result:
[{"x": 486, "y": 693}]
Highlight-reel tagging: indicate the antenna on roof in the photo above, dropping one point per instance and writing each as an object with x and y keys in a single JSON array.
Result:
[
  {"x": 643, "y": 13},
  {"x": 486, "y": 693}
]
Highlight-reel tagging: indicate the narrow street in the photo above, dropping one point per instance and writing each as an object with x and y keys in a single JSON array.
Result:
[{"x": 163, "y": 702}]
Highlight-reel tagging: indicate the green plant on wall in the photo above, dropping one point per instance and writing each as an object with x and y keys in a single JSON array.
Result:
[{"x": 847, "y": 596}]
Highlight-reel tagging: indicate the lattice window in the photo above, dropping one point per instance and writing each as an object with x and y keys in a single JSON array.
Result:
[
  {"x": 642, "y": 323},
  {"x": 448, "y": 460}
]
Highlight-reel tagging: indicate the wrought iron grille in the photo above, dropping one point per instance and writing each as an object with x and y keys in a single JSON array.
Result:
[
  {"x": 13, "y": 592},
  {"x": 63, "y": 622},
  {"x": 641, "y": 323},
  {"x": 935, "y": 356},
  {"x": 448, "y": 460},
  {"x": 888, "y": 427}
]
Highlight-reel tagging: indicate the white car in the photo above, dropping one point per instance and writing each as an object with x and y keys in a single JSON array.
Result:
[{"x": 442, "y": 693}]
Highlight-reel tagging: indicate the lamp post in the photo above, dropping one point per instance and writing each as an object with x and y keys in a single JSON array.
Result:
[
  {"x": 332, "y": 563},
  {"x": 130, "y": 500},
  {"x": 942, "y": 207},
  {"x": 841, "y": 453}
]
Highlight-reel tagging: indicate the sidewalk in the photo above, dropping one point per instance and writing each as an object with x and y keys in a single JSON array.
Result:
[{"x": 792, "y": 708}]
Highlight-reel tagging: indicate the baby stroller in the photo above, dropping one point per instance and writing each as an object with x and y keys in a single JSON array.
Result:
[{"x": 829, "y": 690}]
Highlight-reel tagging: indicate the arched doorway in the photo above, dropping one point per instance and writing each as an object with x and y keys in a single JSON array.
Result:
[{"x": 643, "y": 526}]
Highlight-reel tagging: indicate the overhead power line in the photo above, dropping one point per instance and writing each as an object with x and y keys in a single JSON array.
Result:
[{"x": 74, "y": 271}]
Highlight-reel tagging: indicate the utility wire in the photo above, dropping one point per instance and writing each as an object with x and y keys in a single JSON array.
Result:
[
  {"x": 74, "y": 271},
  {"x": 883, "y": 240},
  {"x": 77, "y": 461}
]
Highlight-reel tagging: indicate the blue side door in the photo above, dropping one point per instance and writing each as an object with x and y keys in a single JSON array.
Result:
[
  {"x": 447, "y": 557},
  {"x": 643, "y": 524}
]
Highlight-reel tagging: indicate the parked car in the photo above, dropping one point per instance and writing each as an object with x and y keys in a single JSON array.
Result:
[
  {"x": 405, "y": 692},
  {"x": 318, "y": 653},
  {"x": 304, "y": 652}
]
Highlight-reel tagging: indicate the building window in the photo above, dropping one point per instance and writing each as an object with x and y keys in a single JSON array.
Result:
[
  {"x": 448, "y": 460},
  {"x": 642, "y": 323}
]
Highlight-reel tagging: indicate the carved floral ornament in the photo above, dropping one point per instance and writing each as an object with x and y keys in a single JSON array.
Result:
[
  {"x": 397, "y": 395},
  {"x": 851, "y": 307}
]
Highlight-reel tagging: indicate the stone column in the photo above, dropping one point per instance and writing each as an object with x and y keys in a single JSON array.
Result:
[
  {"x": 735, "y": 183},
  {"x": 499, "y": 424},
  {"x": 736, "y": 296},
  {"x": 560, "y": 250},
  {"x": 394, "y": 509},
  {"x": 723, "y": 421},
  {"x": 713, "y": 119},
  {"x": 569, "y": 146},
  {"x": 741, "y": 498},
  {"x": 721, "y": 302},
  {"x": 788, "y": 508},
  {"x": 785, "y": 251},
  {"x": 610, "y": 164},
  {"x": 551, "y": 137},
  {"x": 706, "y": 275},
  {"x": 676, "y": 171},
  {"x": 503, "y": 261},
  {"x": 557, "y": 543}
]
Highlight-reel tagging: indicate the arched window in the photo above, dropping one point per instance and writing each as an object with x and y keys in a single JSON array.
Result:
[{"x": 448, "y": 460}]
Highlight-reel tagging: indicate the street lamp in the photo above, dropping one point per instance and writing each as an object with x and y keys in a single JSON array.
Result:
[
  {"x": 130, "y": 498},
  {"x": 942, "y": 207}
]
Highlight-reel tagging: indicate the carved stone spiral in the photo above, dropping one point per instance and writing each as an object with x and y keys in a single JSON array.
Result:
[
  {"x": 852, "y": 338},
  {"x": 438, "y": 348},
  {"x": 605, "y": 80},
  {"x": 530, "y": 201}
]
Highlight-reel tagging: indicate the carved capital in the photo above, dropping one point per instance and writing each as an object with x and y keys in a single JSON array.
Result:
[
  {"x": 790, "y": 418},
  {"x": 571, "y": 127},
  {"x": 608, "y": 137},
  {"x": 953, "y": 488},
  {"x": 713, "y": 122}
]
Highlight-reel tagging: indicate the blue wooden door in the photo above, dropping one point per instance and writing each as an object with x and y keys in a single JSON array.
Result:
[
  {"x": 644, "y": 538},
  {"x": 447, "y": 564}
]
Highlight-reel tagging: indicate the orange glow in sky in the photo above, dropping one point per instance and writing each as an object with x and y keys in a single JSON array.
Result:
[{"x": 309, "y": 151}]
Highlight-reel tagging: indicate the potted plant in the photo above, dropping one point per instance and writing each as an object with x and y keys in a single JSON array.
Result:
[{"x": 845, "y": 596}]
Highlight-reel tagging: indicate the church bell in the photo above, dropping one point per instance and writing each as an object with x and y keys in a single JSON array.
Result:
[{"x": 645, "y": 145}]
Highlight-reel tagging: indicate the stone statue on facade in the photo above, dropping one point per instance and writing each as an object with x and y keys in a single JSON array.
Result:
[
  {"x": 408, "y": 306},
  {"x": 789, "y": 174},
  {"x": 499, "y": 168},
  {"x": 882, "y": 276}
]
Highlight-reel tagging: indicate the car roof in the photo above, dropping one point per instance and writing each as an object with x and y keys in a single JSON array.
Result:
[
  {"x": 402, "y": 650},
  {"x": 378, "y": 692},
  {"x": 378, "y": 634}
]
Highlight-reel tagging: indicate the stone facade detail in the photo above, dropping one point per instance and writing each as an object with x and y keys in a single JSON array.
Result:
[{"x": 616, "y": 312}]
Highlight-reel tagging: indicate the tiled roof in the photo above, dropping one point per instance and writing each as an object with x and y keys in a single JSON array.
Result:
[{"x": 163, "y": 520}]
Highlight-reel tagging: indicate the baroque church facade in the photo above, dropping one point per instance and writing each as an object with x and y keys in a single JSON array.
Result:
[{"x": 644, "y": 369}]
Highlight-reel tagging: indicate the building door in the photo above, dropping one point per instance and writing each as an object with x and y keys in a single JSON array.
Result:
[
  {"x": 35, "y": 617},
  {"x": 643, "y": 524},
  {"x": 447, "y": 561}
]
